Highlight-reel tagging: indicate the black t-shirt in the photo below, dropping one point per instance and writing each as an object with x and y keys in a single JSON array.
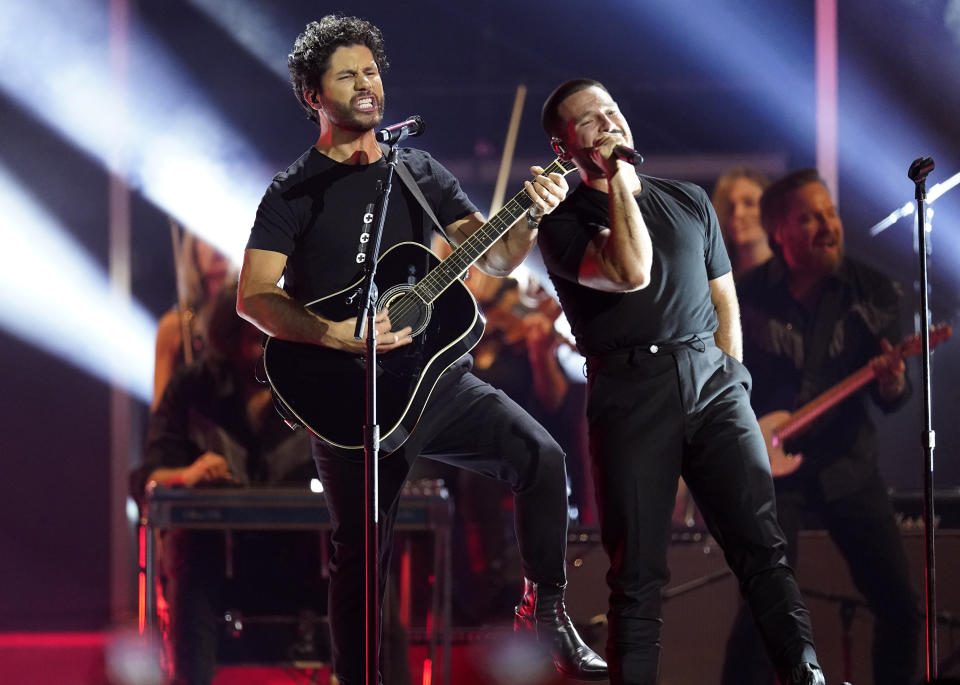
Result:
[
  {"x": 313, "y": 213},
  {"x": 688, "y": 252}
]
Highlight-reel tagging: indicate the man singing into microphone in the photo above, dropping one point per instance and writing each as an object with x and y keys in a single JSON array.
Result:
[
  {"x": 307, "y": 230},
  {"x": 641, "y": 271}
]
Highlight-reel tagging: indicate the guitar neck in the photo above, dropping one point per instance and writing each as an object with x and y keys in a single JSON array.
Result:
[
  {"x": 801, "y": 419},
  {"x": 454, "y": 266}
]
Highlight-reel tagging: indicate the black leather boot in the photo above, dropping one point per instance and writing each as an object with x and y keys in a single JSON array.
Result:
[
  {"x": 806, "y": 674},
  {"x": 541, "y": 612}
]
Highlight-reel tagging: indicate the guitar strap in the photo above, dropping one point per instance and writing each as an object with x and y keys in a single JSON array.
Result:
[
  {"x": 404, "y": 173},
  {"x": 822, "y": 334}
]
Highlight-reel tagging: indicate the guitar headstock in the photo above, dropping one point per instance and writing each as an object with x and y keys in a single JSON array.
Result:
[{"x": 911, "y": 346}]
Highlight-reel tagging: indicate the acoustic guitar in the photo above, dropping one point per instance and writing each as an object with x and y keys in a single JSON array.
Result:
[{"x": 324, "y": 389}]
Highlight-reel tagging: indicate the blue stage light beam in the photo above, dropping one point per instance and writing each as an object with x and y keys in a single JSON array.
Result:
[
  {"x": 256, "y": 26},
  {"x": 55, "y": 296},
  {"x": 951, "y": 18},
  {"x": 877, "y": 137},
  {"x": 934, "y": 194},
  {"x": 763, "y": 48},
  {"x": 181, "y": 152}
]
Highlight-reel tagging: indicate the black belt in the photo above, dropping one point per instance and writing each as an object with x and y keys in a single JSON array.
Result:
[{"x": 697, "y": 341}]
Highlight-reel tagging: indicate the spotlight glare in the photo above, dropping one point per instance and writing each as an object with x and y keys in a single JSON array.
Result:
[
  {"x": 892, "y": 218},
  {"x": 939, "y": 189},
  {"x": 68, "y": 306},
  {"x": 179, "y": 149},
  {"x": 253, "y": 25}
]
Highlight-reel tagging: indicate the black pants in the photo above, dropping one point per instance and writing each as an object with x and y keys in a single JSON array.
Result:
[
  {"x": 654, "y": 416},
  {"x": 466, "y": 423},
  {"x": 863, "y": 527}
]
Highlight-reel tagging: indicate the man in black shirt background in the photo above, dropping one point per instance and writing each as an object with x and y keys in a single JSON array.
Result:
[
  {"x": 642, "y": 273},
  {"x": 305, "y": 231},
  {"x": 811, "y": 317}
]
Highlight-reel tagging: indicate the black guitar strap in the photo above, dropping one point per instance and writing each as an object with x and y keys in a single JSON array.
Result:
[{"x": 404, "y": 173}]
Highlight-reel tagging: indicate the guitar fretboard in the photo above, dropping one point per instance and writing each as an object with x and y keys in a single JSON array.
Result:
[{"x": 453, "y": 267}]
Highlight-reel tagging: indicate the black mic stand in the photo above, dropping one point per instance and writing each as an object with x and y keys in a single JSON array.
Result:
[
  {"x": 918, "y": 174},
  {"x": 366, "y": 312}
]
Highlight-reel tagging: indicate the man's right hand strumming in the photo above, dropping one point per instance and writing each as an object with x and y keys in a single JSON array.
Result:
[
  {"x": 340, "y": 335},
  {"x": 268, "y": 307}
]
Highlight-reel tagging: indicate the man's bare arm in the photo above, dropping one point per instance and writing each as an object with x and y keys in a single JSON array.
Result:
[
  {"x": 546, "y": 191},
  {"x": 729, "y": 335},
  {"x": 267, "y": 306},
  {"x": 618, "y": 259}
]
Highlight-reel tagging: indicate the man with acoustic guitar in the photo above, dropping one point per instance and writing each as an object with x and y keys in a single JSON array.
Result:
[
  {"x": 307, "y": 231},
  {"x": 811, "y": 318}
]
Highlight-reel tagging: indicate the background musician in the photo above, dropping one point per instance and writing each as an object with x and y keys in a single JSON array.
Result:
[
  {"x": 202, "y": 272},
  {"x": 215, "y": 425},
  {"x": 811, "y": 317},
  {"x": 736, "y": 199}
]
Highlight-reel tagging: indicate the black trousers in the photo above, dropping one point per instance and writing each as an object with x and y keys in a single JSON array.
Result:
[
  {"x": 863, "y": 527},
  {"x": 466, "y": 423},
  {"x": 655, "y": 414}
]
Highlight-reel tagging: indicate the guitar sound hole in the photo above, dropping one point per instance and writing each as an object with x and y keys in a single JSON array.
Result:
[{"x": 406, "y": 309}]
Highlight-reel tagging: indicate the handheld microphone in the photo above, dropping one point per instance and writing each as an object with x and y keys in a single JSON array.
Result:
[
  {"x": 391, "y": 135},
  {"x": 628, "y": 154}
]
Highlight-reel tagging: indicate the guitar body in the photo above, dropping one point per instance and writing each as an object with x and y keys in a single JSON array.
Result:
[
  {"x": 781, "y": 463},
  {"x": 325, "y": 389}
]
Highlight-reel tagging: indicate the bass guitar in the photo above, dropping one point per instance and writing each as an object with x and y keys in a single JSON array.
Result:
[
  {"x": 779, "y": 426},
  {"x": 323, "y": 389}
]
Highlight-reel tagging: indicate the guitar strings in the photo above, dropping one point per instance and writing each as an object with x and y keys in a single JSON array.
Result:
[{"x": 442, "y": 276}]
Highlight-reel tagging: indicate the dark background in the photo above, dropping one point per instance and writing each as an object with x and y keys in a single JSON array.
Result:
[{"x": 704, "y": 86}]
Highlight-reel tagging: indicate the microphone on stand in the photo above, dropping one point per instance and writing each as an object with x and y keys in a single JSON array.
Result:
[
  {"x": 628, "y": 154},
  {"x": 391, "y": 135},
  {"x": 920, "y": 168}
]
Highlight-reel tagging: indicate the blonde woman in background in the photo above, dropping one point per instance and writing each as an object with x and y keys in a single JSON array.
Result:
[{"x": 736, "y": 199}]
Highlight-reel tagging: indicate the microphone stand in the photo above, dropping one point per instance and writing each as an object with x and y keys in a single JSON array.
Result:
[
  {"x": 918, "y": 174},
  {"x": 366, "y": 313}
]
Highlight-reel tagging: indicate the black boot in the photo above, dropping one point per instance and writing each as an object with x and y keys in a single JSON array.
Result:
[
  {"x": 541, "y": 612},
  {"x": 806, "y": 674}
]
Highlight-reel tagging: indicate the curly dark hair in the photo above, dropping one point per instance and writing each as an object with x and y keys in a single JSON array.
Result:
[{"x": 310, "y": 58}]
